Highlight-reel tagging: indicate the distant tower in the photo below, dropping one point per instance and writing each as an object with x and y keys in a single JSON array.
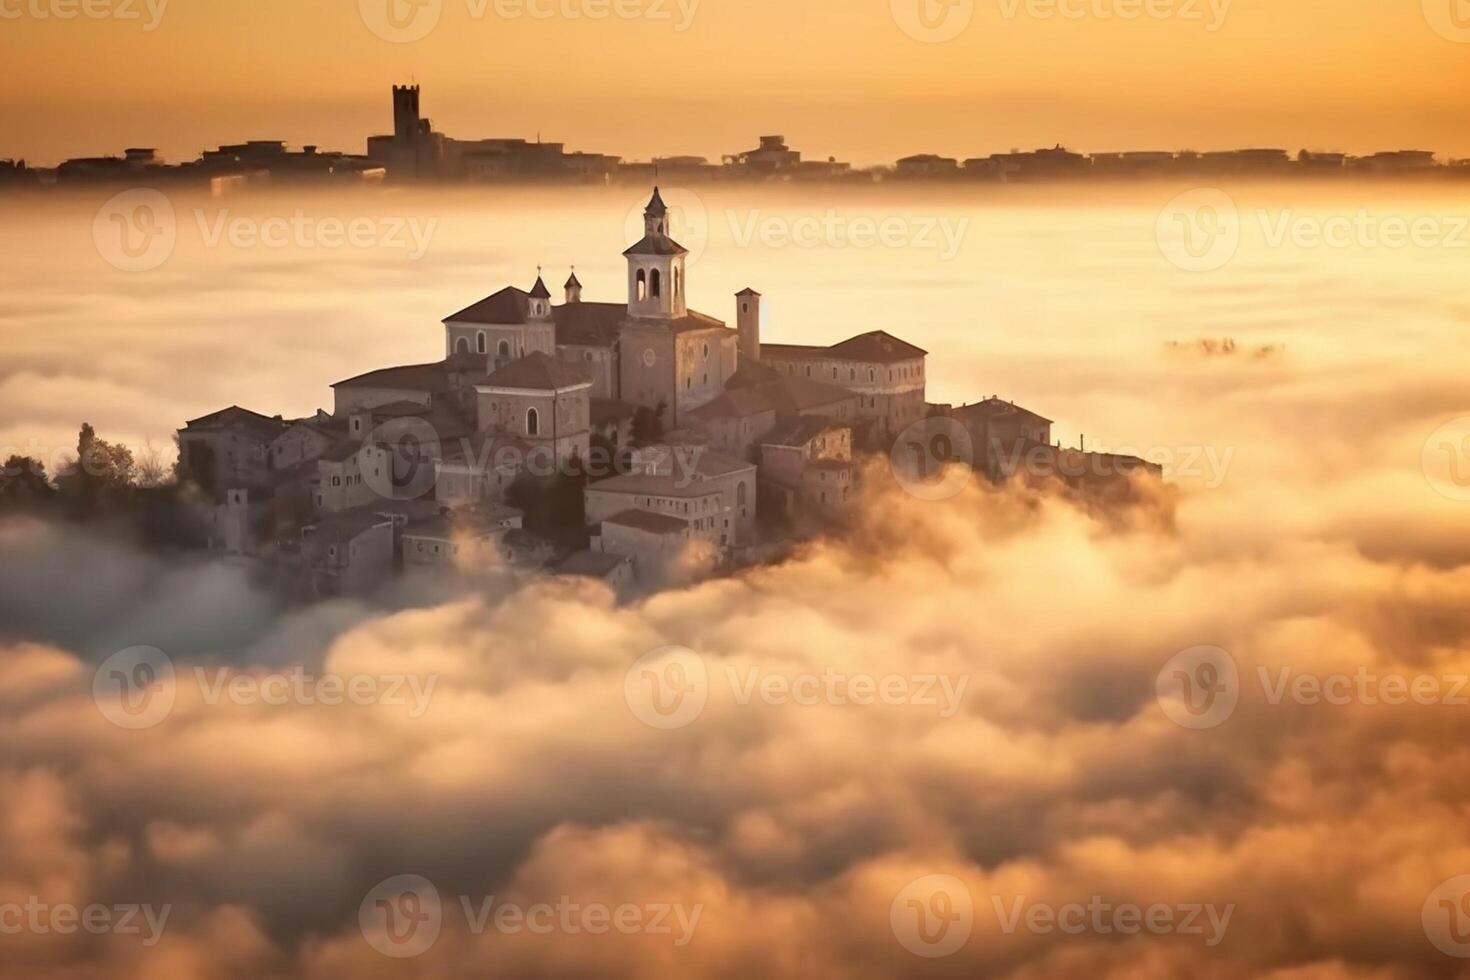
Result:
[
  {"x": 405, "y": 112},
  {"x": 574, "y": 289},
  {"x": 748, "y": 323},
  {"x": 656, "y": 284}
]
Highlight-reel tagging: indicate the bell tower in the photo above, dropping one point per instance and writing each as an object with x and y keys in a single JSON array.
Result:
[{"x": 656, "y": 282}]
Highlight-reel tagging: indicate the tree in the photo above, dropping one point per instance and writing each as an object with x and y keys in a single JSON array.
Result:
[
  {"x": 648, "y": 425},
  {"x": 102, "y": 470},
  {"x": 24, "y": 484}
]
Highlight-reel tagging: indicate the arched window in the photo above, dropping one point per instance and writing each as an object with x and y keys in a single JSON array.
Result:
[
  {"x": 533, "y": 422},
  {"x": 678, "y": 283},
  {"x": 740, "y": 494},
  {"x": 461, "y": 346},
  {"x": 503, "y": 348},
  {"x": 642, "y": 291},
  {"x": 655, "y": 284},
  {"x": 480, "y": 342}
]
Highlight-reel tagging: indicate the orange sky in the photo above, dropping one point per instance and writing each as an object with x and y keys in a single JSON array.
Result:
[{"x": 836, "y": 76}]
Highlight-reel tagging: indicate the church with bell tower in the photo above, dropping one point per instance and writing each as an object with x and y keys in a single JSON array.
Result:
[{"x": 650, "y": 350}]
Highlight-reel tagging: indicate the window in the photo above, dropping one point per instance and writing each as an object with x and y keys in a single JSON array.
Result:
[
  {"x": 533, "y": 422},
  {"x": 740, "y": 494},
  {"x": 655, "y": 284},
  {"x": 503, "y": 348},
  {"x": 480, "y": 342},
  {"x": 678, "y": 283},
  {"x": 641, "y": 292},
  {"x": 744, "y": 307},
  {"x": 706, "y": 352},
  {"x": 461, "y": 346}
]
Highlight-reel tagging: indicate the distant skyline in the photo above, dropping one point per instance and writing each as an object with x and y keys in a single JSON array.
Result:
[{"x": 1356, "y": 75}]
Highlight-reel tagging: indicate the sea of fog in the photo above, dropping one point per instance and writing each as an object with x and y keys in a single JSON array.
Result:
[{"x": 1294, "y": 355}]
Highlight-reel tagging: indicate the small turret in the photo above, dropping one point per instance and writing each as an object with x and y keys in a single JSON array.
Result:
[
  {"x": 540, "y": 308},
  {"x": 574, "y": 288}
]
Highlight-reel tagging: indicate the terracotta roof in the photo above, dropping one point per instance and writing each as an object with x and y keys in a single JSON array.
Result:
[
  {"x": 736, "y": 403},
  {"x": 875, "y": 347},
  {"x": 656, "y": 244},
  {"x": 261, "y": 426},
  {"x": 596, "y": 564},
  {"x": 509, "y": 305},
  {"x": 539, "y": 371},
  {"x": 589, "y": 324},
  {"x": 800, "y": 430},
  {"x": 696, "y": 321},
  {"x": 647, "y": 520},
  {"x": 993, "y": 406},
  {"x": 800, "y": 394},
  {"x": 408, "y": 377}
]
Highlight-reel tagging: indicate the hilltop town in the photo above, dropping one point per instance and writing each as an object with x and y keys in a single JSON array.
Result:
[
  {"x": 634, "y": 441},
  {"x": 416, "y": 152}
]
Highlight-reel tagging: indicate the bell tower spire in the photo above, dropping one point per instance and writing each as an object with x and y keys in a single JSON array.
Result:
[{"x": 656, "y": 264}]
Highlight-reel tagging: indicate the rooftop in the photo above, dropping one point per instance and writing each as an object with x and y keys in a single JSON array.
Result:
[
  {"x": 647, "y": 520},
  {"x": 537, "y": 371},
  {"x": 596, "y": 564}
]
